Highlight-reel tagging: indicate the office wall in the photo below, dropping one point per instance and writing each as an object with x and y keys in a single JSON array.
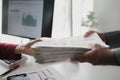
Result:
[{"x": 108, "y": 14}]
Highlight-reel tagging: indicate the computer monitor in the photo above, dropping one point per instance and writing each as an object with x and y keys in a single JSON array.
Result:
[{"x": 27, "y": 18}]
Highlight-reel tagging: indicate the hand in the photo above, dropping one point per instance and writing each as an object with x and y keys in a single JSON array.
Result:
[
  {"x": 99, "y": 55},
  {"x": 101, "y": 35},
  {"x": 26, "y": 48}
]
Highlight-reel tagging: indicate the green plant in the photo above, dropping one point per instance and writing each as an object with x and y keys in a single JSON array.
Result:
[{"x": 90, "y": 21}]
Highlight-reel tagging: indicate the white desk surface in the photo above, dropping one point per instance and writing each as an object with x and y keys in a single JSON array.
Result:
[{"x": 73, "y": 71}]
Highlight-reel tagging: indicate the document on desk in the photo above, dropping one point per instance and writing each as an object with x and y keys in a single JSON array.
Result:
[
  {"x": 50, "y": 50},
  {"x": 44, "y": 74}
]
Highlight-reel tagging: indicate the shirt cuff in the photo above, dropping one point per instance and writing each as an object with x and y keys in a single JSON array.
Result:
[{"x": 116, "y": 53}]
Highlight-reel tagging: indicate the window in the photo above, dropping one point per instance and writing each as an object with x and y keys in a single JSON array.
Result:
[{"x": 68, "y": 16}]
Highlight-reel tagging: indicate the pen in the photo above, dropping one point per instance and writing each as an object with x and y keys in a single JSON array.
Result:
[
  {"x": 17, "y": 75},
  {"x": 10, "y": 70}
]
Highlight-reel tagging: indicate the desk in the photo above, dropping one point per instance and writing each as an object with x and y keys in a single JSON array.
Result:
[{"x": 73, "y": 71}]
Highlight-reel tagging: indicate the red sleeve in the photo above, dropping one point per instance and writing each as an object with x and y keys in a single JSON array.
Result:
[{"x": 7, "y": 51}]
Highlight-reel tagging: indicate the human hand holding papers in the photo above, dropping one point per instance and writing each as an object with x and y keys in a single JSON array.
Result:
[{"x": 51, "y": 50}]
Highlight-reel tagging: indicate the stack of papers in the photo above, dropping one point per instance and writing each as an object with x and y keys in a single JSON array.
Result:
[{"x": 52, "y": 50}]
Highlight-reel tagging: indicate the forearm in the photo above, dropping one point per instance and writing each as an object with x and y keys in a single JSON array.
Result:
[{"x": 7, "y": 51}]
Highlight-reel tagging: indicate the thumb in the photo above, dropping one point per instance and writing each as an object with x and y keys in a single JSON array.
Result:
[{"x": 94, "y": 46}]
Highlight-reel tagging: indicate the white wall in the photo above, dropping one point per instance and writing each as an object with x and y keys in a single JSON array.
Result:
[{"x": 108, "y": 14}]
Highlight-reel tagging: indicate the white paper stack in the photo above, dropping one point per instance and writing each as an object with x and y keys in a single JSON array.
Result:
[{"x": 51, "y": 50}]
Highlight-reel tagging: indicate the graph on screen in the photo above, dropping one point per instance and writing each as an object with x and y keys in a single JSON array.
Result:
[{"x": 29, "y": 20}]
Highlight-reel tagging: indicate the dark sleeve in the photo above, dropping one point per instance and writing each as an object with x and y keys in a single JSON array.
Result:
[
  {"x": 113, "y": 39},
  {"x": 7, "y": 51},
  {"x": 116, "y": 53}
]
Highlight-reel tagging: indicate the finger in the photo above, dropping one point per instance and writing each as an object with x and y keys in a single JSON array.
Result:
[
  {"x": 89, "y": 56},
  {"x": 92, "y": 46},
  {"x": 33, "y": 41},
  {"x": 85, "y": 57},
  {"x": 97, "y": 45},
  {"x": 75, "y": 58},
  {"x": 80, "y": 57},
  {"x": 88, "y": 33}
]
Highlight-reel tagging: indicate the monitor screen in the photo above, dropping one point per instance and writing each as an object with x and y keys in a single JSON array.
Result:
[{"x": 27, "y": 18}]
